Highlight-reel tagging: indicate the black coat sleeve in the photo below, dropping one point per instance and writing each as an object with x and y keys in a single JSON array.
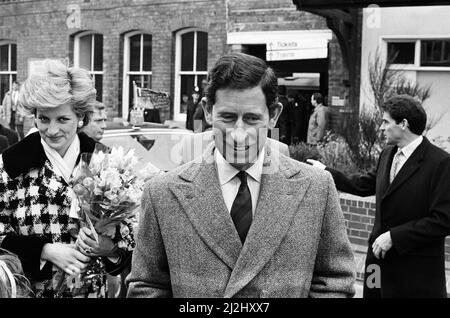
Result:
[
  {"x": 358, "y": 184},
  {"x": 28, "y": 249}
]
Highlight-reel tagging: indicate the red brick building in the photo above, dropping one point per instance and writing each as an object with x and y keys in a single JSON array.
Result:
[{"x": 164, "y": 45}]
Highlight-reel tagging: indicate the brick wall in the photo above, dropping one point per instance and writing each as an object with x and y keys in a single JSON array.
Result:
[
  {"x": 269, "y": 15},
  {"x": 40, "y": 30}
]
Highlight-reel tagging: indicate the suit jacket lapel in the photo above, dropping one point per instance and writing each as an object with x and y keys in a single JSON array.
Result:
[
  {"x": 409, "y": 168},
  {"x": 385, "y": 168},
  {"x": 270, "y": 224},
  {"x": 200, "y": 195}
]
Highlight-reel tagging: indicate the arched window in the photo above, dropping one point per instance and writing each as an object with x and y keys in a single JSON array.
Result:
[
  {"x": 191, "y": 63},
  {"x": 137, "y": 66},
  {"x": 88, "y": 49},
  {"x": 8, "y": 67}
]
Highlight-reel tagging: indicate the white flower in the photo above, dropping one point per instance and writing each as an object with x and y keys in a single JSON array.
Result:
[{"x": 97, "y": 160}]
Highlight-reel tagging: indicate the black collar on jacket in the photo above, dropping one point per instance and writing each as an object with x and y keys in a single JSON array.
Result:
[{"x": 29, "y": 153}]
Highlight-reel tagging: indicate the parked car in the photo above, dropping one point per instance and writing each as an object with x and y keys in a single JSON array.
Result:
[{"x": 155, "y": 143}]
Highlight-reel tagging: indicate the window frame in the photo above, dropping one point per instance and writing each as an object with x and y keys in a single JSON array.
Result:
[
  {"x": 9, "y": 72},
  {"x": 76, "y": 55},
  {"x": 126, "y": 68},
  {"x": 417, "y": 52},
  {"x": 178, "y": 72}
]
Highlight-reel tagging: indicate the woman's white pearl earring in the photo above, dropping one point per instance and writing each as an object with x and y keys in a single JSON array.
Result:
[{"x": 80, "y": 124}]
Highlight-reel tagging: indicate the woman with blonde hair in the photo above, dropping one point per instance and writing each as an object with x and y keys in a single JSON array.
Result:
[{"x": 38, "y": 209}]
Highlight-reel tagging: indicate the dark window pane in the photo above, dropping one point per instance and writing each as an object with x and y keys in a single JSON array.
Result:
[
  {"x": 401, "y": 52},
  {"x": 146, "y": 81},
  {"x": 85, "y": 51},
  {"x": 187, "y": 51},
  {"x": 200, "y": 84},
  {"x": 99, "y": 86},
  {"x": 135, "y": 51},
  {"x": 13, "y": 57},
  {"x": 187, "y": 85},
  {"x": 98, "y": 52},
  {"x": 147, "y": 58},
  {"x": 4, "y": 57},
  {"x": 4, "y": 86},
  {"x": 435, "y": 53},
  {"x": 137, "y": 79},
  {"x": 202, "y": 51}
]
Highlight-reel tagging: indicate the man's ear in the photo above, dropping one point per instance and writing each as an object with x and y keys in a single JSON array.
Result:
[
  {"x": 274, "y": 114},
  {"x": 405, "y": 124},
  {"x": 207, "y": 110}
]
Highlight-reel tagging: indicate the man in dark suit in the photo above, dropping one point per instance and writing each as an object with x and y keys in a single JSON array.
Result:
[
  {"x": 412, "y": 187},
  {"x": 283, "y": 123},
  {"x": 191, "y": 108},
  {"x": 10, "y": 134}
]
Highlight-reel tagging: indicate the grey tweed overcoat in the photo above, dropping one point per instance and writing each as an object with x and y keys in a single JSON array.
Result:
[{"x": 187, "y": 245}]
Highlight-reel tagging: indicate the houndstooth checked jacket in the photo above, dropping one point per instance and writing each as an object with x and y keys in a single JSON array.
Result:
[{"x": 34, "y": 209}]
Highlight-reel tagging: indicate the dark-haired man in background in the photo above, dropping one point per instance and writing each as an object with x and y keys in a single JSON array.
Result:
[
  {"x": 412, "y": 187},
  {"x": 318, "y": 120}
]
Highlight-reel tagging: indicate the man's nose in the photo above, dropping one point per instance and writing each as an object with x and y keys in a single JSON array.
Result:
[{"x": 239, "y": 135}]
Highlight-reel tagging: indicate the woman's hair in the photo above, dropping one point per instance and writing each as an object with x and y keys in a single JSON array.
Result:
[
  {"x": 13, "y": 283},
  {"x": 57, "y": 84}
]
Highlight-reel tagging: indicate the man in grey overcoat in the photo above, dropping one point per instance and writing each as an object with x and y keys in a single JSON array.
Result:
[{"x": 245, "y": 221}]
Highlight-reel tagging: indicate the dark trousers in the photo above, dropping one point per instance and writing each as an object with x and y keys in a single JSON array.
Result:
[{"x": 12, "y": 123}]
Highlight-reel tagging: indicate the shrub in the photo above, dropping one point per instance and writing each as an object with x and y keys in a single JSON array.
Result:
[
  {"x": 302, "y": 151},
  {"x": 363, "y": 137},
  {"x": 335, "y": 153}
]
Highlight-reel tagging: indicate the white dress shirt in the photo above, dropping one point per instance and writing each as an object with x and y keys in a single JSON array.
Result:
[
  {"x": 229, "y": 182},
  {"x": 407, "y": 151}
]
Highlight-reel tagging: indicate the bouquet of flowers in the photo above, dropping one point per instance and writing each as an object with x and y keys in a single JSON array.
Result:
[{"x": 109, "y": 188}]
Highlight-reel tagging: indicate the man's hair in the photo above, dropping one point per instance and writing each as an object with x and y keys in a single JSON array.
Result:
[
  {"x": 98, "y": 105},
  {"x": 318, "y": 98},
  {"x": 401, "y": 107},
  {"x": 241, "y": 71}
]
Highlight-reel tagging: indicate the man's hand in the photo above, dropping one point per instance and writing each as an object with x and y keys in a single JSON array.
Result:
[
  {"x": 89, "y": 247},
  {"x": 316, "y": 164},
  {"x": 382, "y": 244}
]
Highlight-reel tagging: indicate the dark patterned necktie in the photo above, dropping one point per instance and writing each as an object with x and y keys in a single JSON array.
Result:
[{"x": 241, "y": 211}]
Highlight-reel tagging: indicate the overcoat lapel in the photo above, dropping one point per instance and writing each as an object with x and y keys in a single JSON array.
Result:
[
  {"x": 278, "y": 201},
  {"x": 200, "y": 195},
  {"x": 385, "y": 170},
  {"x": 409, "y": 168}
]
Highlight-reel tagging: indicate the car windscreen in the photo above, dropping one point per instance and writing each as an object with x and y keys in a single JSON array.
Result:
[{"x": 162, "y": 149}]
